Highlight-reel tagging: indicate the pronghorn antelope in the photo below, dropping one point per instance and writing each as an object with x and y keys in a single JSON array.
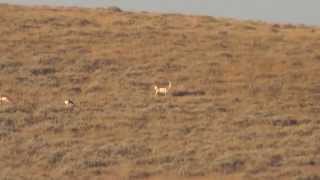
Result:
[
  {"x": 69, "y": 103},
  {"x": 162, "y": 90},
  {"x": 5, "y": 99}
]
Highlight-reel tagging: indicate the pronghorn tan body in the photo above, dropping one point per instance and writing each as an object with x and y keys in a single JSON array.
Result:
[
  {"x": 69, "y": 103},
  {"x": 162, "y": 90},
  {"x": 5, "y": 99}
]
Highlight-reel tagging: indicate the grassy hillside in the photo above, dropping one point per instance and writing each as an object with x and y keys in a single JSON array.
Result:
[{"x": 244, "y": 102}]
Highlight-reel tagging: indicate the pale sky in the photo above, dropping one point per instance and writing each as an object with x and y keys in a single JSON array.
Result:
[{"x": 283, "y": 11}]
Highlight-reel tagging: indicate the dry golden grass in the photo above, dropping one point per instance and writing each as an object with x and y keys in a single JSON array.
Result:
[{"x": 244, "y": 102}]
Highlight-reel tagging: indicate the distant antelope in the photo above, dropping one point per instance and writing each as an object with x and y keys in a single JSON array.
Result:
[
  {"x": 5, "y": 99},
  {"x": 69, "y": 103},
  {"x": 162, "y": 90}
]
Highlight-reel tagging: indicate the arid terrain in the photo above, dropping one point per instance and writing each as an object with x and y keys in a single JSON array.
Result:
[{"x": 244, "y": 102}]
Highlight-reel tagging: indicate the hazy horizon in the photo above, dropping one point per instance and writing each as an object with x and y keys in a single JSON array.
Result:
[{"x": 284, "y": 11}]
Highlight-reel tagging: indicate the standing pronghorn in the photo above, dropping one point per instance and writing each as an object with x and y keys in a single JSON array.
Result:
[
  {"x": 5, "y": 99},
  {"x": 69, "y": 103},
  {"x": 162, "y": 90}
]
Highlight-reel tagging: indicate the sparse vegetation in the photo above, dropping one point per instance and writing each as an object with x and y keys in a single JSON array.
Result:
[{"x": 244, "y": 104}]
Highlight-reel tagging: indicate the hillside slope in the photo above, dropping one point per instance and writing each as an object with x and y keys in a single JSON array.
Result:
[{"x": 244, "y": 102}]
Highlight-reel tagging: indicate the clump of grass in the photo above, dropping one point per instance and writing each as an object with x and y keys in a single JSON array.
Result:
[
  {"x": 114, "y": 9},
  {"x": 188, "y": 93},
  {"x": 229, "y": 165},
  {"x": 309, "y": 177},
  {"x": 55, "y": 158}
]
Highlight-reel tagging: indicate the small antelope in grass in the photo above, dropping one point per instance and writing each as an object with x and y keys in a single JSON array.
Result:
[
  {"x": 162, "y": 90},
  {"x": 69, "y": 103},
  {"x": 5, "y": 99}
]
